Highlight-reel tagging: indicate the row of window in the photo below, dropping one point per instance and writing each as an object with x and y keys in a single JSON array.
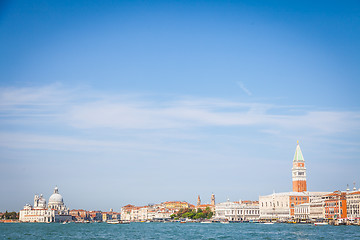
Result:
[
  {"x": 299, "y": 198},
  {"x": 331, "y": 204},
  {"x": 352, "y": 197},
  {"x": 273, "y": 204},
  {"x": 246, "y": 212},
  {"x": 302, "y": 210},
  {"x": 332, "y": 211}
]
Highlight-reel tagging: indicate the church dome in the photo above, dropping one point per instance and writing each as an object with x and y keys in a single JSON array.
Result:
[
  {"x": 42, "y": 200},
  {"x": 56, "y": 197}
]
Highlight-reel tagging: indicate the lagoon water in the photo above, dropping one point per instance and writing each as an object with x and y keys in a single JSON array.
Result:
[{"x": 175, "y": 231}]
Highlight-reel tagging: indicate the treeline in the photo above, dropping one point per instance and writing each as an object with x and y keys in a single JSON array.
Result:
[
  {"x": 193, "y": 214},
  {"x": 10, "y": 215}
]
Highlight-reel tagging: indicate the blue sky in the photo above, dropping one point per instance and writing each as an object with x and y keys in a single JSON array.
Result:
[{"x": 140, "y": 102}]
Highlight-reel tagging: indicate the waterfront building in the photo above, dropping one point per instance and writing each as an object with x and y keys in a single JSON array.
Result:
[
  {"x": 105, "y": 216},
  {"x": 316, "y": 206},
  {"x": 145, "y": 213},
  {"x": 177, "y": 205},
  {"x": 237, "y": 211},
  {"x": 133, "y": 213},
  {"x": 353, "y": 204},
  {"x": 79, "y": 215},
  {"x": 38, "y": 212},
  {"x": 281, "y": 205},
  {"x": 111, "y": 215},
  {"x": 56, "y": 211},
  {"x": 226, "y": 211},
  {"x": 95, "y": 215},
  {"x": 163, "y": 214},
  {"x": 335, "y": 205},
  {"x": 312, "y": 210},
  {"x": 302, "y": 211},
  {"x": 127, "y": 212}
]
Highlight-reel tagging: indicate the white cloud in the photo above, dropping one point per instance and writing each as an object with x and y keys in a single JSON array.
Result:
[{"x": 80, "y": 110}]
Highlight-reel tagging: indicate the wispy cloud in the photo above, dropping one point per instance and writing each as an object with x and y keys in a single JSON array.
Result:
[
  {"x": 245, "y": 89},
  {"x": 88, "y": 111}
]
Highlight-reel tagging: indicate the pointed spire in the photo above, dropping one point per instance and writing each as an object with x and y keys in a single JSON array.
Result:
[{"x": 298, "y": 154}]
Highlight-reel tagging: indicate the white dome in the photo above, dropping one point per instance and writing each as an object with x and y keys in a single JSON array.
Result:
[{"x": 56, "y": 197}]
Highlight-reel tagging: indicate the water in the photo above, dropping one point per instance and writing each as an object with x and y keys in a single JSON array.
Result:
[{"x": 175, "y": 231}]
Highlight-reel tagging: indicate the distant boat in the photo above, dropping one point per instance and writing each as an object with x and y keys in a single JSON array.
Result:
[
  {"x": 320, "y": 223},
  {"x": 113, "y": 221},
  {"x": 268, "y": 223},
  {"x": 225, "y": 222},
  {"x": 205, "y": 222},
  {"x": 116, "y": 221}
]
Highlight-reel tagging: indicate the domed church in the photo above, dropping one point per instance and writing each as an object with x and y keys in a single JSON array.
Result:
[
  {"x": 55, "y": 211},
  {"x": 56, "y": 202}
]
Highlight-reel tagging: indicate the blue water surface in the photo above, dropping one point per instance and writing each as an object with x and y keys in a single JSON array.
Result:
[{"x": 175, "y": 231}]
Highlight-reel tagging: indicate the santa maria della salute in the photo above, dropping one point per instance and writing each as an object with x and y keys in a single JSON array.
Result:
[{"x": 55, "y": 211}]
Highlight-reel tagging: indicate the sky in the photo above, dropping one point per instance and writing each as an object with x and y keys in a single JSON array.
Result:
[{"x": 119, "y": 102}]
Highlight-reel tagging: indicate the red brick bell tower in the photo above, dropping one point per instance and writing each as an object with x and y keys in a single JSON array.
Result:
[{"x": 299, "y": 171}]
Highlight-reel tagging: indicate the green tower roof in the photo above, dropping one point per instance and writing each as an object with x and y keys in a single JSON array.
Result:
[{"x": 298, "y": 154}]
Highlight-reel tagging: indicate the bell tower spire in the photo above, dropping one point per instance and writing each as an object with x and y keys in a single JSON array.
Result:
[{"x": 299, "y": 171}]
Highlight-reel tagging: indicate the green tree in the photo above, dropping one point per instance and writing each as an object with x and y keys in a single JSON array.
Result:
[
  {"x": 191, "y": 214},
  {"x": 200, "y": 215},
  {"x": 10, "y": 215}
]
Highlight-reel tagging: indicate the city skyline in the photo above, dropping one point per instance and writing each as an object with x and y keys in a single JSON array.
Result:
[{"x": 135, "y": 102}]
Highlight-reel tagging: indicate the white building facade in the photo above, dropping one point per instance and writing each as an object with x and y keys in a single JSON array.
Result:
[
  {"x": 292, "y": 205},
  {"x": 145, "y": 213},
  {"x": 302, "y": 211},
  {"x": 55, "y": 211},
  {"x": 316, "y": 205},
  {"x": 237, "y": 211},
  {"x": 353, "y": 205},
  {"x": 277, "y": 205}
]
